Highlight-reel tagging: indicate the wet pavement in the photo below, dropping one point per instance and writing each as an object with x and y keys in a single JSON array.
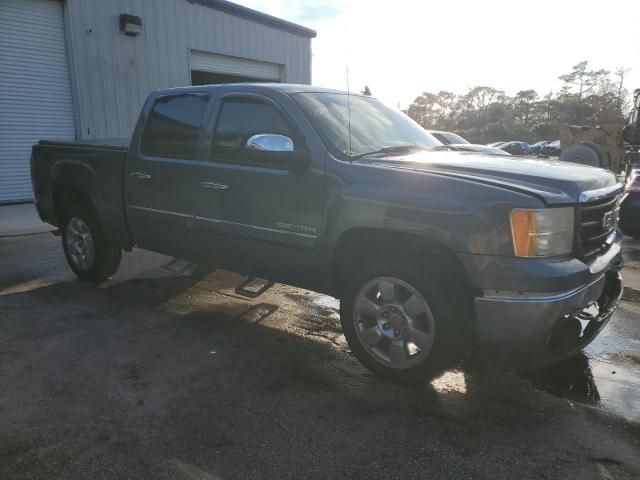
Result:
[{"x": 164, "y": 372}]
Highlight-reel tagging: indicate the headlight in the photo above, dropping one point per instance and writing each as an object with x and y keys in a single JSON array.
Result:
[{"x": 541, "y": 233}]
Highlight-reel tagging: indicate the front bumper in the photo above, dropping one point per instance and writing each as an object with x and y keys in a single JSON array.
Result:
[{"x": 543, "y": 329}]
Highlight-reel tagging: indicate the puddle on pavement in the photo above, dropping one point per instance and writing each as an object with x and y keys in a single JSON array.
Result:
[{"x": 608, "y": 383}]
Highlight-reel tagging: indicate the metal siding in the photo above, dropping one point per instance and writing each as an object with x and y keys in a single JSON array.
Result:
[
  {"x": 114, "y": 73},
  {"x": 35, "y": 91}
]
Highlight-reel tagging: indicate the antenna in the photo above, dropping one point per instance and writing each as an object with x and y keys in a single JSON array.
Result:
[{"x": 349, "y": 112}]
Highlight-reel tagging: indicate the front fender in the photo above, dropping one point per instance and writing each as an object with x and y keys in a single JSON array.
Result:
[
  {"x": 464, "y": 215},
  {"x": 361, "y": 207}
]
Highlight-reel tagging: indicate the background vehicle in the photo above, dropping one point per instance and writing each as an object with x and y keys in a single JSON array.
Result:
[
  {"x": 448, "y": 138},
  {"x": 470, "y": 147},
  {"x": 496, "y": 144},
  {"x": 630, "y": 206},
  {"x": 516, "y": 148},
  {"x": 551, "y": 149},
  {"x": 610, "y": 146},
  {"x": 426, "y": 250},
  {"x": 536, "y": 148}
]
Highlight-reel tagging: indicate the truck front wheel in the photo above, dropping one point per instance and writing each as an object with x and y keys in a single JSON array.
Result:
[
  {"x": 400, "y": 322},
  {"x": 89, "y": 253}
]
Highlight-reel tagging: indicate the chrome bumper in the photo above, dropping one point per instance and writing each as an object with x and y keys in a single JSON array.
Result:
[{"x": 554, "y": 325}]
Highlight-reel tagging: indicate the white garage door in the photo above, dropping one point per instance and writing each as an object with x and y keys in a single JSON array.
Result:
[
  {"x": 35, "y": 91},
  {"x": 211, "y": 62}
]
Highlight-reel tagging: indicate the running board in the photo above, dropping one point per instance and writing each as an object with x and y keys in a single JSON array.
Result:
[{"x": 243, "y": 291}]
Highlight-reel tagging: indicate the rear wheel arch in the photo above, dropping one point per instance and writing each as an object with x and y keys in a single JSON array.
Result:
[{"x": 65, "y": 196}]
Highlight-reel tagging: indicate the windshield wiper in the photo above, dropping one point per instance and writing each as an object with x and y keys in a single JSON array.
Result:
[{"x": 389, "y": 150}]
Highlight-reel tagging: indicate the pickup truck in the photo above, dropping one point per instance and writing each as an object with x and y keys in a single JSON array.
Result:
[{"x": 430, "y": 252}]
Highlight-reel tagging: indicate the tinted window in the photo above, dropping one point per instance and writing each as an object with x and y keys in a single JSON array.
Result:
[
  {"x": 240, "y": 120},
  {"x": 173, "y": 125}
]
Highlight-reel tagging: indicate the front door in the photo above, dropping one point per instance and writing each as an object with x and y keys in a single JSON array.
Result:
[
  {"x": 163, "y": 174},
  {"x": 269, "y": 212}
]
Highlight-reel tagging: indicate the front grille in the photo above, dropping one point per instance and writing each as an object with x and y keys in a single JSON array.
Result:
[{"x": 593, "y": 230}]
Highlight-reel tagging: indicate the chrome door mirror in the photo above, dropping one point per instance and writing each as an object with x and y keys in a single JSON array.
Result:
[{"x": 268, "y": 142}]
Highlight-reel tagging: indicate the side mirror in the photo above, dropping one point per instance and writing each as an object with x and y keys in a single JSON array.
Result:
[
  {"x": 270, "y": 143},
  {"x": 277, "y": 151}
]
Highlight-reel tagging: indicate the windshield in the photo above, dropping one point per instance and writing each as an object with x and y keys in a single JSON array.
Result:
[{"x": 374, "y": 126}]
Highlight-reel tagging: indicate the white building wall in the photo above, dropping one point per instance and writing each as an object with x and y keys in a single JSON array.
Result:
[{"x": 112, "y": 73}]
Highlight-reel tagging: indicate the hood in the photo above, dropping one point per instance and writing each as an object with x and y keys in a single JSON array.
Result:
[{"x": 553, "y": 181}]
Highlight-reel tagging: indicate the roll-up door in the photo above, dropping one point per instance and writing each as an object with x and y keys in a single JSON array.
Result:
[
  {"x": 235, "y": 67},
  {"x": 35, "y": 90}
]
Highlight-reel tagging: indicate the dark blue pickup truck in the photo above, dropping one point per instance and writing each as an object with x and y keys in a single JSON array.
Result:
[{"x": 430, "y": 252}]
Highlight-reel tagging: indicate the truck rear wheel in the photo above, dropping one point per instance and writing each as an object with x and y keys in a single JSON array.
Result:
[
  {"x": 399, "y": 322},
  {"x": 89, "y": 253}
]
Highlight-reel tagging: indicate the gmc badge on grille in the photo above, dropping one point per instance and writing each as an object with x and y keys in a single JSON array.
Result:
[{"x": 609, "y": 220}]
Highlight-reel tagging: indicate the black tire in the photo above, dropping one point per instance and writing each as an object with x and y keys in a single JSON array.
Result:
[
  {"x": 451, "y": 329},
  {"x": 106, "y": 256},
  {"x": 582, "y": 155}
]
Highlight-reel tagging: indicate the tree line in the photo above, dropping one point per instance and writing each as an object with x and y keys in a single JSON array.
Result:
[{"x": 486, "y": 114}]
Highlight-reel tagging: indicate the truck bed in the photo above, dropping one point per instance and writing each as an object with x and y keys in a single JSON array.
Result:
[{"x": 90, "y": 167}]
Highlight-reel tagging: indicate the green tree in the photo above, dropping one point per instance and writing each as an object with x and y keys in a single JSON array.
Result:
[
  {"x": 524, "y": 105},
  {"x": 581, "y": 80},
  {"x": 486, "y": 114}
]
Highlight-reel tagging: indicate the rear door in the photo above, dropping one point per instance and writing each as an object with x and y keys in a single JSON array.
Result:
[
  {"x": 269, "y": 214},
  {"x": 163, "y": 171}
]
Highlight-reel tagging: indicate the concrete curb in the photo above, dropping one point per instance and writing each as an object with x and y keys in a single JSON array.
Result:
[
  {"x": 23, "y": 233},
  {"x": 21, "y": 219}
]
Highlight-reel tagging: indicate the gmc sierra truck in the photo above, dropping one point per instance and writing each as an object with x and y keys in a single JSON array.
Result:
[{"x": 430, "y": 252}]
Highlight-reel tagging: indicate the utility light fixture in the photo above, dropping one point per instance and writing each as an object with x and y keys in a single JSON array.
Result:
[{"x": 130, "y": 24}]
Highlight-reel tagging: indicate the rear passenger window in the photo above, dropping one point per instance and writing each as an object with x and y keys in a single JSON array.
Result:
[
  {"x": 173, "y": 125},
  {"x": 239, "y": 120}
]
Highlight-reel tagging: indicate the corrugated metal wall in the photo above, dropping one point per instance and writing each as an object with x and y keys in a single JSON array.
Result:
[
  {"x": 35, "y": 91},
  {"x": 112, "y": 73}
]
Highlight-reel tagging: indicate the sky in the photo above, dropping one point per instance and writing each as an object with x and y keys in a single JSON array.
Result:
[{"x": 401, "y": 48}]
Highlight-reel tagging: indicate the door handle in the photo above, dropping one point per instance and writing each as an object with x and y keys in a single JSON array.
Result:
[
  {"x": 214, "y": 186},
  {"x": 140, "y": 175}
]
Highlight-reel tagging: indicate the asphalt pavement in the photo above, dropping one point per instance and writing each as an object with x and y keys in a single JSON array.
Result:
[{"x": 163, "y": 372}]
